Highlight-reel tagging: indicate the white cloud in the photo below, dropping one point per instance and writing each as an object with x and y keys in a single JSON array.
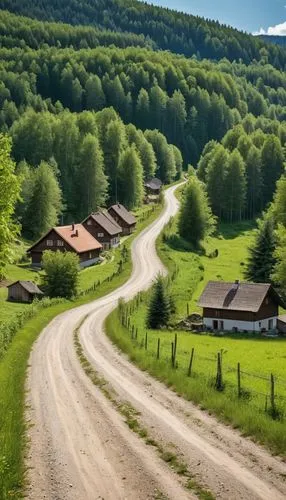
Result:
[{"x": 278, "y": 30}]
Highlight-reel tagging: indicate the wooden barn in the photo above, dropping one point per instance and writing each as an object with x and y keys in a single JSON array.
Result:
[
  {"x": 153, "y": 186},
  {"x": 241, "y": 307},
  {"x": 73, "y": 238},
  {"x": 124, "y": 219},
  {"x": 23, "y": 291},
  {"x": 104, "y": 228}
]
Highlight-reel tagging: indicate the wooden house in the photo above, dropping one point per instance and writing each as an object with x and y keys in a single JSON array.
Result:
[
  {"x": 124, "y": 219},
  {"x": 23, "y": 291},
  {"x": 73, "y": 238},
  {"x": 153, "y": 186},
  {"x": 244, "y": 307},
  {"x": 104, "y": 228}
]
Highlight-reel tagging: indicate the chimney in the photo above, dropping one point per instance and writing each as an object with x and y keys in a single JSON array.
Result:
[{"x": 76, "y": 232}]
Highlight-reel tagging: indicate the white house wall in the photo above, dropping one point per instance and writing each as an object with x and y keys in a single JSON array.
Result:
[{"x": 229, "y": 324}]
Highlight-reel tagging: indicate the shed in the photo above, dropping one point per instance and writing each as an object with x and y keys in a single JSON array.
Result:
[
  {"x": 23, "y": 291},
  {"x": 153, "y": 186}
]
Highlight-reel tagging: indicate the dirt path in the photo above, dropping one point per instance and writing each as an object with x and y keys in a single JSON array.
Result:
[{"x": 80, "y": 446}]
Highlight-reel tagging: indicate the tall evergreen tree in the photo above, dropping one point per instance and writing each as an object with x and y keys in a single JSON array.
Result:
[
  {"x": 148, "y": 158},
  {"x": 165, "y": 157},
  {"x": 272, "y": 166},
  {"x": 278, "y": 207},
  {"x": 95, "y": 98},
  {"x": 92, "y": 182},
  {"x": 215, "y": 177},
  {"x": 195, "y": 219},
  {"x": 261, "y": 260},
  {"x": 9, "y": 193},
  {"x": 159, "y": 309},
  {"x": 45, "y": 204},
  {"x": 114, "y": 144},
  {"x": 131, "y": 178},
  {"x": 253, "y": 181},
  {"x": 234, "y": 187},
  {"x": 279, "y": 270},
  {"x": 143, "y": 109}
]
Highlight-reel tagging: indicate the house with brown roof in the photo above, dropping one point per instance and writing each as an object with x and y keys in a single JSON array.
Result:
[
  {"x": 104, "y": 228},
  {"x": 73, "y": 238},
  {"x": 23, "y": 291},
  {"x": 124, "y": 219},
  {"x": 238, "y": 306}
]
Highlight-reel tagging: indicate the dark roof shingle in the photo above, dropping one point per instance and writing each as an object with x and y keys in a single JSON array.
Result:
[
  {"x": 123, "y": 213},
  {"x": 236, "y": 296}
]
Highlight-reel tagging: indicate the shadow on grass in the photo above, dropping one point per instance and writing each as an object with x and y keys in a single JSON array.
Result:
[{"x": 230, "y": 231}]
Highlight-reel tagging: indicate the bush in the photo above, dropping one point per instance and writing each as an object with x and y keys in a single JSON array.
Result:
[{"x": 61, "y": 270}]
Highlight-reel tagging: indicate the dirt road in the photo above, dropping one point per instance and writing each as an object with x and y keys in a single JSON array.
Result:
[{"x": 80, "y": 446}]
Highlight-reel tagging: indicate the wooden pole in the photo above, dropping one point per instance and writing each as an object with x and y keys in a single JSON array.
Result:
[
  {"x": 272, "y": 394},
  {"x": 172, "y": 354},
  {"x": 191, "y": 362},
  {"x": 175, "y": 349},
  {"x": 158, "y": 349},
  {"x": 238, "y": 380},
  {"x": 146, "y": 341},
  {"x": 218, "y": 383}
]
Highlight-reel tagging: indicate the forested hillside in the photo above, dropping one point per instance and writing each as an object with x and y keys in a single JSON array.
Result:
[
  {"x": 170, "y": 30},
  {"x": 278, "y": 40}
]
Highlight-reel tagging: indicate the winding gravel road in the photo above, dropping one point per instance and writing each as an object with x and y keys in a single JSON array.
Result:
[{"x": 80, "y": 446}]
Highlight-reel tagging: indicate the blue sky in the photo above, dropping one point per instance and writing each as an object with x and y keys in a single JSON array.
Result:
[{"x": 247, "y": 15}]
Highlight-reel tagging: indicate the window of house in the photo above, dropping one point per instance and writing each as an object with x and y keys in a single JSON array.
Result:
[
  {"x": 89, "y": 222},
  {"x": 267, "y": 301},
  {"x": 60, "y": 243},
  {"x": 50, "y": 243},
  {"x": 100, "y": 235},
  {"x": 90, "y": 255}
]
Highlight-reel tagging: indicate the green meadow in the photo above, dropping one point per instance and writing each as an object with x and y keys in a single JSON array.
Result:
[{"x": 248, "y": 408}]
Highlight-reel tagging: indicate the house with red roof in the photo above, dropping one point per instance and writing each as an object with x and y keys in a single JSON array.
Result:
[{"x": 73, "y": 238}]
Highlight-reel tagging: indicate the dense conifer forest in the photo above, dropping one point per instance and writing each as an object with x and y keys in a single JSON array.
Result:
[{"x": 96, "y": 106}]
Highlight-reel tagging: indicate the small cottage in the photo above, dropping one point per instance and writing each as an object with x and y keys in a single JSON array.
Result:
[
  {"x": 124, "y": 219},
  {"x": 153, "y": 186},
  {"x": 244, "y": 307},
  {"x": 23, "y": 291},
  {"x": 73, "y": 238},
  {"x": 104, "y": 228}
]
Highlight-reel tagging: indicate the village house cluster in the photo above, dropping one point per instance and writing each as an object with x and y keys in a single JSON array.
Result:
[{"x": 99, "y": 231}]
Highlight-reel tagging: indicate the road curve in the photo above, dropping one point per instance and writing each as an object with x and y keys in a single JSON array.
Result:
[{"x": 80, "y": 446}]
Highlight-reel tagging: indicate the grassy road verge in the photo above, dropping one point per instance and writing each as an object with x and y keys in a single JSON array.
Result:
[{"x": 13, "y": 368}]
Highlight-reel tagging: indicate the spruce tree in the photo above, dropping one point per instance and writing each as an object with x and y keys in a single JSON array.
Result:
[
  {"x": 159, "y": 309},
  {"x": 215, "y": 178},
  {"x": 131, "y": 178},
  {"x": 234, "y": 187},
  {"x": 195, "y": 219},
  {"x": 95, "y": 98},
  {"x": 261, "y": 260},
  {"x": 272, "y": 166},
  {"x": 92, "y": 182},
  {"x": 279, "y": 270}
]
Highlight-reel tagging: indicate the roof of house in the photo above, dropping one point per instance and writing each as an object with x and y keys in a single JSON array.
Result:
[
  {"x": 237, "y": 296},
  {"x": 153, "y": 183},
  {"x": 123, "y": 213},
  {"x": 29, "y": 286},
  {"x": 76, "y": 236},
  {"x": 106, "y": 221}
]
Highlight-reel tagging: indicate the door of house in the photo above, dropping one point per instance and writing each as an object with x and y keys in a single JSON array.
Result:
[
  {"x": 221, "y": 325},
  {"x": 215, "y": 324},
  {"x": 270, "y": 324}
]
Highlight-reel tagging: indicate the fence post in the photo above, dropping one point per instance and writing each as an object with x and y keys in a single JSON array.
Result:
[
  {"x": 175, "y": 350},
  {"x": 191, "y": 362},
  {"x": 146, "y": 341},
  {"x": 158, "y": 349},
  {"x": 218, "y": 384},
  {"x": 272, "y": 394},
  {"x": 172, "y": 354},
  {"x": 238, "y": 380}
]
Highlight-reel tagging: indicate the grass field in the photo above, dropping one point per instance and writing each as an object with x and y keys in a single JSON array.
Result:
[
  {"x": 258, "y": 357},
  {"x": 13, "y": 368}
]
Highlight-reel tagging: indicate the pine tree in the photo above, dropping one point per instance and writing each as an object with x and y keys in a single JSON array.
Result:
[
  {"x": 272, "y": 166},
  {"x": 114, "y": 144},
  {"x": 215, "y": 177},
  {"x": 195, "y": 218},
  {"x": 95, "y": 98},
  {"x": 131, "y": 178},
  {"x": 278, "y": 207},
  {"x": 279, "y": 271},
  {"x": 261, "y": 260},
  {"x": 9, "y": 193},
  {"x": 45, "y": 204},
  {"x": 234, "y": 187},
  {"x": 164, "y": 154},
  {"x": 92, "y": 182},
  {"x": 159, "y": 309},
  {"x": 254, "y": 182},
  {"x": 148, "y": 158},
  {"x": 143, "y": 109}
]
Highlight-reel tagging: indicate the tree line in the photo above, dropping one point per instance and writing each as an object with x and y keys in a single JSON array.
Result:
[
  {"x": 71, "y": 164},
  {"x": 168, "y": 29}
]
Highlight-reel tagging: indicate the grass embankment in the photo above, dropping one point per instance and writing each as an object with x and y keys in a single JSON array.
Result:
[
  {"x": 258, "y": 357},
  {"x": 13, "y": 374}
]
